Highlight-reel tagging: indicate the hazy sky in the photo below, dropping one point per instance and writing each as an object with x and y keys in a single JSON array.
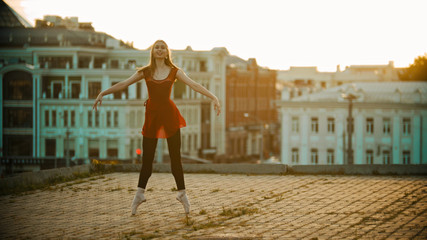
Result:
[{"x": 278, "y": 33}]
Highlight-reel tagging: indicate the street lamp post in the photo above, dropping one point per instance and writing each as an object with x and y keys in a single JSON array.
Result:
[
  {"x": 350, "y": 97},
  {"x": 261, "y": 157}
]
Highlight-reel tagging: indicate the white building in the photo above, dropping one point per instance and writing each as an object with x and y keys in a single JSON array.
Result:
[
  {"x": 390, "y": 125},
  {"x": 302, "y": 80}
]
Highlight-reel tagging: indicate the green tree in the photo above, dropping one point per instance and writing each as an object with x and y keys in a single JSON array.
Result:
[{"x": 417, "y": 71}]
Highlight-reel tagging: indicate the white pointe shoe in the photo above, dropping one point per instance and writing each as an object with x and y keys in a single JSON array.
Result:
[
  {"x": 182, "y": 198},
  {"x": 137, "y": 200}
]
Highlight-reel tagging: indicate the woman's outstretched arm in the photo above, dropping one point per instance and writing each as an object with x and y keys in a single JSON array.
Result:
[
  {"x": 199, "y": 88},
  {"x": 118, "y": 87}
]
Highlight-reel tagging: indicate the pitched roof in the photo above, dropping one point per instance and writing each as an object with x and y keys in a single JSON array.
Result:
[
  {"x": 18, "y": 37},
  {"x": 10, "y": 18}
]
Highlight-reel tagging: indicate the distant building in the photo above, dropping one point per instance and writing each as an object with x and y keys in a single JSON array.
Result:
[
  {"x": 71, "y": 23},
  {"x": 209, "y": 69},
  {"x": 303, "y": 80},
  {"x": 251, "y": 116},
  {"x": 390, "y": 125}
]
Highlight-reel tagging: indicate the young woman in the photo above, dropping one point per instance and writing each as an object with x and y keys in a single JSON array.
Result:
[{"x": 162, "y": 118}]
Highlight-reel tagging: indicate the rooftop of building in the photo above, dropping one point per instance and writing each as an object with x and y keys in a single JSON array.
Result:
[
  {"x": 375, "y": 92},
  {"x": 16, "y": 32},
  {"x": 10, "y": 18},
  {"x": 223, "y": 206},
  {"x": 12, "y": 37}
]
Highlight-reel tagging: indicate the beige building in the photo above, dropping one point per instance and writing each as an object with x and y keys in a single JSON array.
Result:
[{"x": 389, "y": 119}]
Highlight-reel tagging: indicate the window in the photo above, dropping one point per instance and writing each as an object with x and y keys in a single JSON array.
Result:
[
  {"x": 131, "y": 119},
  {"x": 73, "y": 118},
  {"x": 138, "y": 90},
  {"x": 116, "y": 118},
  {"x": 55, "y": 62},
  {"x": 94, "y": 89},
  {"x": 18, "y": 145},
  {"x": 386, "y": 157},
  {"x": 132, "y": 149},
  {"x": 89, "y": 118},
  {"x": 131, "y": 63},
  {"x": 369, "y": 157},
  {"x": 295, "y": 156},
  {"x": 109, "y": 119},
  {"x": 203, "y": 67},
  {"x": 98, "y": 61},
  {"x": 369, "y": 125},
  {"x": 179, "y": 90},
  {"x": 52, "y": 86},
  {"x": 84, "y": 62},
  {"x": 323, "y": 84},
  {"x": 53, "y": 118},
  {"x": 50, "y": 147},
  {"x": 406, "y": 126},
  {"x": 239, "y": 146},
  {"x": 118, "y": 94},
  {"x": 331, "y": 125},
  {"x": 314, "y": 124},
  {"x": 18, "y": 117},
  {"x": 93, "y": 148},
  {"x": 75, "y": 90},
  {"x": 97, "y": 119},
  {"x": 314, "y": 156},
  {"x": 406, "y": 157},
  {"x": 114, "y": 64},
  {"x": 57, "y": 89},
  {"x": 46, "y": 118},
  {"x": 330, "y": 156},
  {"x": 386, "y": 126},
  {"x": 17, "y": 85},
  {"x": 112, "y": 148},
  {"x": 295, "y": 124},
  {"x": 65, "y": 118}
]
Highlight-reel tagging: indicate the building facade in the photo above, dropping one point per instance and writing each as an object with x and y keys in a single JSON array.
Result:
[
  {"x": 251, "y": 116},
  {"x": 49, "y": 78},
  {"x": 389, "y": 125}
]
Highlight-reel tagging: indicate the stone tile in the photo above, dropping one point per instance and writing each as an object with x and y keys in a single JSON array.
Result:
[{"x": 257, "y": 206}]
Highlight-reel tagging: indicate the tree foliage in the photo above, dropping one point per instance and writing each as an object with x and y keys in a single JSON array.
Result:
[{"x": 417, "y": 71}]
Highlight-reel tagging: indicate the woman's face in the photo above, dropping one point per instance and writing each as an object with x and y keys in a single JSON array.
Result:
[{"x": 160, "y": 50}]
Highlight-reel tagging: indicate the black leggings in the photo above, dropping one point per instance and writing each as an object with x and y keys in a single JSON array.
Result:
[{"x": 148, "y": 149}]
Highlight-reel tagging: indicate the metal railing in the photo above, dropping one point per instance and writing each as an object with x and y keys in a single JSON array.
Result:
[
  {"x": 14, "y": 164},
  {"x": 18, "y": 164}
]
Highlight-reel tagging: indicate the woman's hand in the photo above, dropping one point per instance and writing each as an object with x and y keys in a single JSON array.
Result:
[
  {"x": 217, "y": 106},
  {"x": 98, "y": 99}
]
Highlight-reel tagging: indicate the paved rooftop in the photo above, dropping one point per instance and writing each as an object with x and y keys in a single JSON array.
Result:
[{"x": 223, "y": 207}]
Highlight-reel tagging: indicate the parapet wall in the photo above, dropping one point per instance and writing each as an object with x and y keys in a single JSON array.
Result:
[{"x": 46, "y": 176}]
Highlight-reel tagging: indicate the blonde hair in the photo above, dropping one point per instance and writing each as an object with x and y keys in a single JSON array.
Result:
[{"x": 152, "y": 64}]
